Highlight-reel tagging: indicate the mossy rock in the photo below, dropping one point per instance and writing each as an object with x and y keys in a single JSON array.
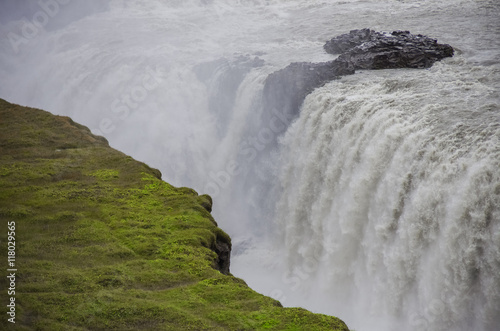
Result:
[{"x": 102, "y": 243}]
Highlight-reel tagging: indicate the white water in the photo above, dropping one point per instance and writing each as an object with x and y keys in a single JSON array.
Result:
[
  {"x": 395, "y": 198},
  {"x": 381, "y": 203}
]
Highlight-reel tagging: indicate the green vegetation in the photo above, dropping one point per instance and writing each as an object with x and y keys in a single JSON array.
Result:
[{"x": 102, "y": 243}]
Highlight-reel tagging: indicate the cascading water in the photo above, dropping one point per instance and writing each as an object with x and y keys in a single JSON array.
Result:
[
  {"x": 395, "y": 198},
  {"x": 378, "y": 203}
]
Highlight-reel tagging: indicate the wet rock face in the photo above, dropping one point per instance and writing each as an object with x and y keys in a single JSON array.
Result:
[
  {"x": 285, "y": 89},
  {"x": 367, "y": 49}
]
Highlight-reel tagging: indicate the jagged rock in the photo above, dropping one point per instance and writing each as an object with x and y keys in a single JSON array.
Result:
[
  {"x": 345, "y": 42},
  {"x": 367, "y": 49}
]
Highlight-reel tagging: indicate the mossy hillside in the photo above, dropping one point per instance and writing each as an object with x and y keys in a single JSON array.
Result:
[{"x": 102, "y": 243}]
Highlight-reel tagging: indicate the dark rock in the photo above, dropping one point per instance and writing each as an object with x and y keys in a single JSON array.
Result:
[
  {"x": 285, "y": 90},
  {"x": 367, "y": 49},
  {"x": 345, "y": 42},
  {"x": 223, "y": 250}
]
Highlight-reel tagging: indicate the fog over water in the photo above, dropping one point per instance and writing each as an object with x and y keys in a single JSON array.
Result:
[{"x": 379, "y": 203}]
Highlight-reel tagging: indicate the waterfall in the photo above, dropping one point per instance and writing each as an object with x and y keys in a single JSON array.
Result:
[
  {"x": 378, "y": 202},
  {"x": 391, "y": 196}
]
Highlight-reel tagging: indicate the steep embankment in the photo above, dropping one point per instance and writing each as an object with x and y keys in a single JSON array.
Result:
[{"x": 103, "y": 243}]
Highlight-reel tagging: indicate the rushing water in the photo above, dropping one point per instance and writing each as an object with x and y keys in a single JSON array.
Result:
[{"x": 379, "y": 203}]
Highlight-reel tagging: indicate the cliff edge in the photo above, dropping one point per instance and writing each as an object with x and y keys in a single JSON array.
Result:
[{"x": 102, "y": 243}]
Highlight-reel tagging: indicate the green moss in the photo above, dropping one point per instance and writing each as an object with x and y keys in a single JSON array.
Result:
[
  {"x": 105, "y": 174},
  {"x": 102, "y": 243}
]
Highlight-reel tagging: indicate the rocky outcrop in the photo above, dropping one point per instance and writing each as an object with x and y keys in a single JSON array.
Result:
[
  {"x": 223, "y": 250},
  {"x": 367, "y": 49},
  {"x": 285, "y": 89}
]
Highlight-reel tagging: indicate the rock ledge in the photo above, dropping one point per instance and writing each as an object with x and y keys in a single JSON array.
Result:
[{"x": 285, "y": 89}]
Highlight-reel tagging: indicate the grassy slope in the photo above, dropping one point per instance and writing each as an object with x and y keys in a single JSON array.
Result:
[{"x": 102, "y": 243}]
